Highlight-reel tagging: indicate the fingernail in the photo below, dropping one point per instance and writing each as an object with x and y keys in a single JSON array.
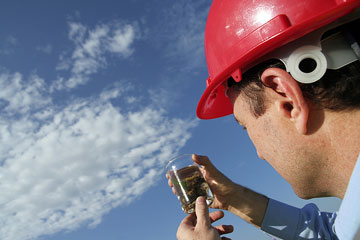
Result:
[{"x": 200, "y": 200}]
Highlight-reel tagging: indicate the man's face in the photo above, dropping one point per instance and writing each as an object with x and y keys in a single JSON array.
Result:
[{"x": 277, "y": 141}]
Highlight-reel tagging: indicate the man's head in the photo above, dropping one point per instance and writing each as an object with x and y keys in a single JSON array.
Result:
[
  {"x": 283, "y": 107},
  {"x": 284, "y": 118}
]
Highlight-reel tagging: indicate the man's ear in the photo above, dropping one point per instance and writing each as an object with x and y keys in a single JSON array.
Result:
[{"x": 291, "y": 103}]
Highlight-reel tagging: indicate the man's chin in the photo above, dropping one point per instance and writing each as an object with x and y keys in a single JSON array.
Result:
[{"x": 307, "y": 194}]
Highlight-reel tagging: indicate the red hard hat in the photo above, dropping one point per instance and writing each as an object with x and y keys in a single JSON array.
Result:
[{"x": 239, "y": 32}]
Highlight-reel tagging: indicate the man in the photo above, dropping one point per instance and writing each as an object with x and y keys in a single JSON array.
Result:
[{"x": 289, "y": 71}]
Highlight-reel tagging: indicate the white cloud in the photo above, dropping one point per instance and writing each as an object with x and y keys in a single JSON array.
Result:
[
  {"x": 64, "y": 167},
  {"x": 91, "y": 45},
  {"x": 45, "y": 48},
  {"x": 21, "y": 97},
  {"x": 162, "y": 96},
  {"x": 131, "y": 100},
  {"x": 121, "y": 39},
  {"x": 65, "y": 164},
  {"x": 77, "y": 32}
]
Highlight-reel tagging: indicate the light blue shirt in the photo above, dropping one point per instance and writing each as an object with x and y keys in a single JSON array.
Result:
[
  {"x": 287, "y": 222},
  {"x": 347, "y": 223}
]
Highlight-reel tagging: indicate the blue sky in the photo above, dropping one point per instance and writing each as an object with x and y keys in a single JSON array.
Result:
[{"x": 95, "y": 97}]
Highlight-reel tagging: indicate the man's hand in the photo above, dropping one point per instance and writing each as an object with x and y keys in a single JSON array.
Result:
[
  {"x": 222, "y": 187},
  {"x": 241, "y": 201},
  {"x": 197, "y": 226}
]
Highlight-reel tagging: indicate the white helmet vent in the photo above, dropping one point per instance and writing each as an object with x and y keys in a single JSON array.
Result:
[
  {"x": 313, "y": 55},
  {"x": 307, "y": 64}
]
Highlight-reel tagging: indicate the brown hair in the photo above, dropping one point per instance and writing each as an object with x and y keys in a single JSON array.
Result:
[{"x": 337, "y": 90}]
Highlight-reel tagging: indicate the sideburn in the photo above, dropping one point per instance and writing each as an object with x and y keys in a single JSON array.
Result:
[{"x": 255, "y": 96}]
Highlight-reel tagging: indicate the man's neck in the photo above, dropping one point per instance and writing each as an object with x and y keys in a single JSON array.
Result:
[{"x": 342, "y": 130}]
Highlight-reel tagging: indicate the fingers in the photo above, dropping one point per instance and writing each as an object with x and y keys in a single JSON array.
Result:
[
  {"x": 169, "y": 180},
  {"x": 225, "y": 238},
  {"x": 170, "y": 184},
  {"x": 224, "y": 229},
  {"x": 204, "y": 218},
  {"x": 202, "y": 212},
  {"x": 199, "y": 224},
  {"x": 214, "y": 216},
  {"x": 203, "y": 161},
  {"x": 186, "y": 226}
]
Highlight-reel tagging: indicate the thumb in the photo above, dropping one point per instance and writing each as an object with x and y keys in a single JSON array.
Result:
[{"x": 202, "y": 211}]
